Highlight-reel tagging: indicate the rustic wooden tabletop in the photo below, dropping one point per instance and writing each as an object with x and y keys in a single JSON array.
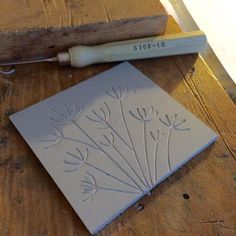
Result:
[{"x": 199, "y": 199}]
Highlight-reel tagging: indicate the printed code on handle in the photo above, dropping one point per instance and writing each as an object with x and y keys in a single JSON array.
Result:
[{"x": 145, "y": 46}]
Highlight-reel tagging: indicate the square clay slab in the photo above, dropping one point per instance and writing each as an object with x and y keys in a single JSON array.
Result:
[{"x": 109, "y": 140}]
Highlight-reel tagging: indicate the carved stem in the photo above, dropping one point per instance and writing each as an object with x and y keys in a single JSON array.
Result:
[
  {"x": 82, "y": 142},
  {"x": 116, "y": 190},
  {"x": 146, "y": 152},
  {"x": 130, "y": 166},
  {"x": 168, "y": 147},
  {"x": 132, "y": 144},
  {"x": 105, "y": 153},
  {"x": 118, "y": 135},
  {"x": 155, "y": 162},
  {"x": 168, "y": 142},
  {"x": 107, "y": 174}
]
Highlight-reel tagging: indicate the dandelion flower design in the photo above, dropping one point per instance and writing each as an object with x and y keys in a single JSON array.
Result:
[
  {"x": 172, "y": 124},
  {"x": 139, "y": 182},
  {"x": 145, "y": 115},
  {"x": 91, "y": 187},
  {"x": 110, "y": 139}
]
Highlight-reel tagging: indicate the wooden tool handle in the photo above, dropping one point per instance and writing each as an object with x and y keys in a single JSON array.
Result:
[{"x": 166, "y": 45}]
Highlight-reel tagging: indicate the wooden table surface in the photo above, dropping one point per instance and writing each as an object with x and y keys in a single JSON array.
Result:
[{"x": 199, "y": 199}]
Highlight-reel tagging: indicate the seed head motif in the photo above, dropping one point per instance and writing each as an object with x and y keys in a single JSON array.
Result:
[
  {"x": 109, "y": 140},
  {"x": 174, "y": 123},
  {"x": 156, "y": 135},
  {"x": 69, "y": 115},
  {"x": 143, "y": 114},
  {"x": 79, "y": 159},
  {"x": 57, "y": 138},
  {"x": 89, "y": 186},
  {"x": 103, "y": 115},
  {"x": 118, "y": 93}
]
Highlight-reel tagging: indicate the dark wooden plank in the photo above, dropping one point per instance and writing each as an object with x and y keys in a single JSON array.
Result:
[
  {"x": 31, "y": 204},
  {"x": 33, "y": 29}
]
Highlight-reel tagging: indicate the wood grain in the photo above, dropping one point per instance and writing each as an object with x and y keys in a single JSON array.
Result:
[
  {"x": 31, "y": 29},
  {"x": 31, "y": 203}
]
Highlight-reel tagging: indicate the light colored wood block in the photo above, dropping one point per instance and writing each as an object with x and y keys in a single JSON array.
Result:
[{"x": 42, "y": 28}]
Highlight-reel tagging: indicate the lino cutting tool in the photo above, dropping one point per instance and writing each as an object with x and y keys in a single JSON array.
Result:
[{"x": 152, "y": 47}]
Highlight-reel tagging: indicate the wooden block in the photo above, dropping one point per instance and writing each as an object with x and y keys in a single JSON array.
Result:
[{"x": 41, "y": 28}]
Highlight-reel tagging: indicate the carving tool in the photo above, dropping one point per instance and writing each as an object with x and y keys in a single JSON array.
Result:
[{"x": 151, "y": 47}]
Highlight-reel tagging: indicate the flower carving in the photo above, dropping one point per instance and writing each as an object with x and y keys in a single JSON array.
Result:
[
  {"x": 116, "y": 146},
  {"x": 143, "y": 114},
  {"x": 69, "y": 115},
  {"x": 79, "y": 159},
  {"x": 89, "y": 186},
  {"x": 174, "y": 123},
  {"x": 156, "y": 135},
  {"x": 109, "y": 140},
  {"x": 118, "y": 93},
  {"x": 102, "y": 116},
  {"x": 57, "y": 138}
]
